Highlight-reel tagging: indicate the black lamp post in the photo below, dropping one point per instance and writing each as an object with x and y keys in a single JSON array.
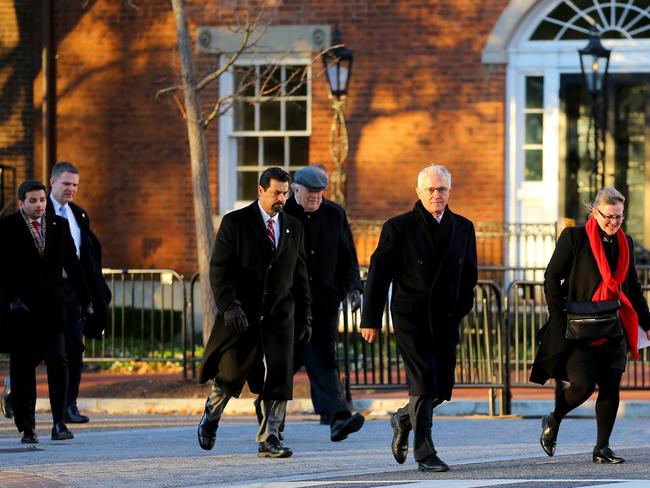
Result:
[
  {"x": 594, "y": 64},
  {"x": 337, "y": 61}
]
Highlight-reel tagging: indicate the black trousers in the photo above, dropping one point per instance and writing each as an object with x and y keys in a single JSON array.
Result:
[
  {"x": 23, "y": 361},
  {"x": 587, "y": 367},
  {"x": 320, "y": 361},
  {"x": 74, "y": 344},
  {"x": 417, "y": 415}
]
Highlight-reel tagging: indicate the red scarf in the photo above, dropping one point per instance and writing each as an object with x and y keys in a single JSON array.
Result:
[{"x": 609, "y": 286}]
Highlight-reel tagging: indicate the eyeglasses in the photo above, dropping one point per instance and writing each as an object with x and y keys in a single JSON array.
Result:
[
  {"x": 618, "y": 218},
  {"x": 442, "y": 190}
]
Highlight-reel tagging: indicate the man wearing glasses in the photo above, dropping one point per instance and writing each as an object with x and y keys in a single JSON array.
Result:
[{"x": 429, "y": 256}]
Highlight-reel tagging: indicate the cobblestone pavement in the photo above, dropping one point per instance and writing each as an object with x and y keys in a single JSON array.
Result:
[{"x": 162, "y": 451}]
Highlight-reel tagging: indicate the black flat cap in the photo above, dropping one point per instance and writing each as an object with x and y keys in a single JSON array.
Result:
[{"x": 311, "y": 178}]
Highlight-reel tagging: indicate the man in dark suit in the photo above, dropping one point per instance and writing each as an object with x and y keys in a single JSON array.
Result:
[
  {"x": 64, "y": 182},
  {"x": 259, "y": 279},
  {"x": 36, "y": 254},
  {"x": 333, "y": 272},
  {"x": 429, "y": 256}
]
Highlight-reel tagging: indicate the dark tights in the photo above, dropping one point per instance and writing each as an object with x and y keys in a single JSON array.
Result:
[{"x": 582, "y": 386}]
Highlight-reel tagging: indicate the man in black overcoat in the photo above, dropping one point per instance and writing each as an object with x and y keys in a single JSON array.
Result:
[
  {"x": 333, "y": 272},
  {"x": 259, "y": 279},
  {"x": 64, "y": 182},
  {"x": 429, "y": 256},
  {"x": 36, "y": 254}
]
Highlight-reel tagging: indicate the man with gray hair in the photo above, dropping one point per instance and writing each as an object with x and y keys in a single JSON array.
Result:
[
  {"x": 429, "y": 256},
  {"x": 333, "y": 273}
]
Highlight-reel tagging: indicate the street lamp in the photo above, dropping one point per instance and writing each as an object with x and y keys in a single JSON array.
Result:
[
  {"x": 594, "y": 65},
  {"x": 337, "y": 61}
]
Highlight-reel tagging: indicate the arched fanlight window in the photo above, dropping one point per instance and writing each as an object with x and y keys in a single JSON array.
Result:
[{"x": 614, "y": 19}]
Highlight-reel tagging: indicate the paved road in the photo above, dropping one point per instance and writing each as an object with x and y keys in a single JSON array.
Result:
[{"x": 161, "y": 451}]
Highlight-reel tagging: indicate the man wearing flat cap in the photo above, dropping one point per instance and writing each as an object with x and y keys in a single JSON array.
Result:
[{"x": 333, "y": 272}]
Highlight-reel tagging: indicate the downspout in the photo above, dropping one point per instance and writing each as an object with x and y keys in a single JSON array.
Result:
[{"x": 48, "y": 62}]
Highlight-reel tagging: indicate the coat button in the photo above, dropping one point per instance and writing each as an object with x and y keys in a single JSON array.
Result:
[
  {"x": 310, "y": 278},
  {"x": 419, "y": 261},
  {"x": 261, "y": 317},
  {"x": 265, "y": 292},
  {"x": 270, "y": 266},
  {"x": 313, "y": 252}
]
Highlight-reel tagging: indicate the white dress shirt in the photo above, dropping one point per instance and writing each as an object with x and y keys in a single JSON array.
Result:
[
  {"x": 66, "y": 211},
  {"x": 276, "y": 223}
]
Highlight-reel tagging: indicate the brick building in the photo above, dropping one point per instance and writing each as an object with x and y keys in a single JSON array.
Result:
[{"x": 489, "y": 88}]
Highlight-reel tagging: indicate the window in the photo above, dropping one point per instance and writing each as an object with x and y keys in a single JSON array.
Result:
[
  {"x": 573, "y": 19},
  {"x": 270, "y": 124},
  {"x": 534, "y": 129}
]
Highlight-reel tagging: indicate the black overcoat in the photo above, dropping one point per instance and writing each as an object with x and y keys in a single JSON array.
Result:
[
  {"x": 572, "y": 275},
  {"x": 433, "y": 289},
  {"x": 36, "y": 280},
  {"x": 90, "y": 257},
  {"x": 331, "y": 259},
  {"x": 273, "y": 290}
]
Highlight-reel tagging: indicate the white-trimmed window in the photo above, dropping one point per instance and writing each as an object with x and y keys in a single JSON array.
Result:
[
  {"x": 269, "y": 125},
  {"x": 534, "y": 129}
]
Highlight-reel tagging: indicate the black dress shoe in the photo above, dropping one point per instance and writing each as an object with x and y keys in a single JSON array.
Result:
[
  {"x": 432, "y": 463},
  {"x": 342, "y": 428},
  {"x": 6, "y": 405},
  {"x": 548, "y": 439},
  {"x": 29, "y": 437},
  {"x": 207, "y": 431},
  {"x": 605, "y": 455},
  {"x": 272, "y": 448},
  {"x": 400, "y": 444},
  {"x": 72, "y": 415},
  {"x": 60, "y": 432}
]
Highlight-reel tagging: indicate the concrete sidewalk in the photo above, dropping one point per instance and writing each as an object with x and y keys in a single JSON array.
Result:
[{"x": 374, "y": 405}]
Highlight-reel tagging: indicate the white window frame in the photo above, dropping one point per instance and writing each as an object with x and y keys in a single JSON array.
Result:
[{"x": 227, "y": 140}]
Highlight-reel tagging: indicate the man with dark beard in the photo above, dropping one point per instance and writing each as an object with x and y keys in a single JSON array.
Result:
[
  {"x": 259, "y": 280},
  {"x": 429, "y": 256}
]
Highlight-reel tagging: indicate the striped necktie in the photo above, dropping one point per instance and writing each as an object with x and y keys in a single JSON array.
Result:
[
  {"x": 39, "y": 238},
  {"x": 270, "y": 232}
]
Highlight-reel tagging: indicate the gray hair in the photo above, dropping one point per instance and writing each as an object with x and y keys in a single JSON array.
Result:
[
  {"x": 607, "y": 196},
  {"x": 63, "y": 167},
  {"x": 434, "y": 168}
]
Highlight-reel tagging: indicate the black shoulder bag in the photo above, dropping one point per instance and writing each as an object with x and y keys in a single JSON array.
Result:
[{"x": 593, "y": 320}]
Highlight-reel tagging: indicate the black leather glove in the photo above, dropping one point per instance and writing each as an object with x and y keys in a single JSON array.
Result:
[
  {"x": 235, "y": 318},
  {"x": 304, "y": 332},
  {"x": 17, "y": 306},
  {"x": 87, "y": 313},
  {"x": 354, "y": 298}
]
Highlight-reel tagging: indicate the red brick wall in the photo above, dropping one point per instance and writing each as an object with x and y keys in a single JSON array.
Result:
[
  {"x": 419, "y": 94},
  {"x": 19, "y": 64}
]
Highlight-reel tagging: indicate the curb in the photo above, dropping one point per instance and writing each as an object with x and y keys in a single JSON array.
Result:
[{"x": 374, "y": 406}]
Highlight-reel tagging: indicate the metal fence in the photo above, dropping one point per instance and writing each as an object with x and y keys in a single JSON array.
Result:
[
  {"x": 480, "y": 353},
  {"x": 526, "y": 313}
]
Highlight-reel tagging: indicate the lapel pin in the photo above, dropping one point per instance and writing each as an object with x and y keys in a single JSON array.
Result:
[{"x": 287, "y": 231}]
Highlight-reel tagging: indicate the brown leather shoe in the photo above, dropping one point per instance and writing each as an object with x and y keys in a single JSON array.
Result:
[{"x": 400, "y": 443}]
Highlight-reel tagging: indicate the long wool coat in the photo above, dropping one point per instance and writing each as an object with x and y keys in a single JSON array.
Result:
[
  {"x": 433, "y": 282},
  {"x": 90, "y": 258},
  {"x": 36, "y": 280},
  {"x": 572, "y": 275},
  {"x": 273, "y": 290}
]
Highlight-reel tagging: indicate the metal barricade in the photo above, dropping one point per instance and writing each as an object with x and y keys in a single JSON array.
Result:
[
  {"x": 526, "y": 313},
  {"x": 480, "y": 354},
  {"x": 146, "y": 319}
]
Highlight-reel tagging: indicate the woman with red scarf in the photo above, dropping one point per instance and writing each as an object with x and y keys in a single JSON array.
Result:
[{"x": 594, "y": 262}]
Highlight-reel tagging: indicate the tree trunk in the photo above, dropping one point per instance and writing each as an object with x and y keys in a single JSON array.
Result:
[{"x": 199, "y": 165}]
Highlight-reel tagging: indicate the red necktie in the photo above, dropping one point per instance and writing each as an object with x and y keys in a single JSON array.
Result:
[
  {"x": 271, "y": 233},
  {"x": 35, "y": 224}
]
